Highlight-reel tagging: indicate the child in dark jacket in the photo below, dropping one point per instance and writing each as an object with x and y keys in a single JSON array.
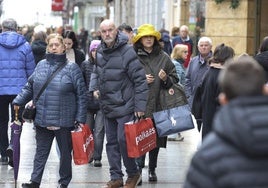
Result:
[
  {"x": 94, "y": 114},
  {"x": 235, "y": 153}
]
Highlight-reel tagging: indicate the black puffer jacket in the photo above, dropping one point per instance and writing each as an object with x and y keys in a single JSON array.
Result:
[
  {"x": 262, "y": 58},
  {"x": 235, "y": 153},
  {"x": 39, "y": 50},
  {"x": 79, "y": 56},
  {"x": 64, "y": 100},
  {"x": 87, "y": 67},
  {"x": 120, "y": 79}
]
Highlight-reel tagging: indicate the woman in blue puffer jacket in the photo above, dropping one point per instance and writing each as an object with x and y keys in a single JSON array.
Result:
[{"x": 62, "y": 103}]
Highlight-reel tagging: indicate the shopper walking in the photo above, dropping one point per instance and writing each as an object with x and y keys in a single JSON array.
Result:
[
  {"x": 94, "y": 114},
  {"x": 210, "y": 89},
  {"x": 197, "y": 70},
  {"x": 160, "y": 73},
  {"x": 17, "y": 64},
  {"x": 121, "y": 86},
  {"x": 60, "y": 106}
]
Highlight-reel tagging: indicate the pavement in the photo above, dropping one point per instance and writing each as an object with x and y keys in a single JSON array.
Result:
[{"x": 173, "y": 163}]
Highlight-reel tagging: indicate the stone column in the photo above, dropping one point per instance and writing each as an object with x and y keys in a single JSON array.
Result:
[{"x": 234, "y": 27}]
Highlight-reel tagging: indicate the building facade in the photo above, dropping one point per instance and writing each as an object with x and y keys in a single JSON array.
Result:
[{"x": 243, "y": 28}]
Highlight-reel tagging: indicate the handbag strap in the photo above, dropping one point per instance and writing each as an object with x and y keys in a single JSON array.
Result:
[{"x": 47, "y": 82}]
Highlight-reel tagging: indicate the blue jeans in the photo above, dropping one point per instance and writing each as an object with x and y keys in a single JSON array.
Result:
[
  {"x": 116, "y": 147},
  {"x": 96, "y": 124}
]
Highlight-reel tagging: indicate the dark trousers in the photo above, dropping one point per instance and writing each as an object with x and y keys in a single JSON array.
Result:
[
  {"x": 5, "y": 105},
  {"x": 44, "y": 139},
  {"x": 116, "y": 147},
  {"x": 153, "y": 156}
]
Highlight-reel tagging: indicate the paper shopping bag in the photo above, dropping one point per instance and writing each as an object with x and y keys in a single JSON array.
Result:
[
  {"x": 140, "y": 137},
  {"x": 173, "y": 120},
  {"x": 83, "y": 145}
]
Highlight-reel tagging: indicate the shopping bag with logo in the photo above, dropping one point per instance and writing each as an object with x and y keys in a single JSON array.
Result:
[
  {"x": 83, "y": 144},
  {"x": 176, "y": 114},
  {"x": 140, "y": 137},
  {"x": 173, "y": 120}
]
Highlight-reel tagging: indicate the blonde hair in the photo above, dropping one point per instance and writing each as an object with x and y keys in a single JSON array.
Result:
[
  {"x": 178, "y": 51},
  {"x": 54, "y": 35}
]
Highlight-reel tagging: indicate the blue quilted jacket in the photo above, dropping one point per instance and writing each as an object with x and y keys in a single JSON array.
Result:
[
  {"x": 64, "y": 100},
  {"x": 16, "y": 62}
]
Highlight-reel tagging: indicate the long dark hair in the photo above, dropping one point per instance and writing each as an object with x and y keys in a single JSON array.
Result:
[
  {"x": 71, "y": 35},
  {"x": 221, "y": 54}
]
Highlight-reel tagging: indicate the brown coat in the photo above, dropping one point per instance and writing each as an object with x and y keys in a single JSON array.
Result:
[{"x": 152, "y": 64}]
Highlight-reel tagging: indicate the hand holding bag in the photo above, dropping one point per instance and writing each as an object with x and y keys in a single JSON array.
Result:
[
  {"x": 176, "y": 116},
  {"x": 28, "y": 113},
  {"x": 140, "y": 137},
  {"x": 83, "y": 144}
]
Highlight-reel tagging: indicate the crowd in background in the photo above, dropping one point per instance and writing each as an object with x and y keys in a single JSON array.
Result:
[{"x": 152, "y": 60}]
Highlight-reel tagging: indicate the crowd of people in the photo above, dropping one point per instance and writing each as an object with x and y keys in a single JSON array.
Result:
[{"x": 117, "y": 76}]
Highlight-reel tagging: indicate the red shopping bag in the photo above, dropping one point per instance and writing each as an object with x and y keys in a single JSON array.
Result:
[
  {"x": 83, "y": 144},
  {"x": 140, "y": 137}
]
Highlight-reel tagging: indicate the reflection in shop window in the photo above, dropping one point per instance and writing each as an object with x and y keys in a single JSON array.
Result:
[
  {"x": 197, "y": 20},
  {"x": 197, "y": 14}
]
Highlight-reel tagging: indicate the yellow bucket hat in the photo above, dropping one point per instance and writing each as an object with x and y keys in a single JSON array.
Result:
[{"x": 146, "y": 30}]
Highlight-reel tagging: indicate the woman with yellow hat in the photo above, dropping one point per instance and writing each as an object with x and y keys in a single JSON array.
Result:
[{"x": 160, "y": 73}]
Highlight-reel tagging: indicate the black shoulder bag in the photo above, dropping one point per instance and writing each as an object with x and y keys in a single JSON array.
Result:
[{"x": 29, "y": 112}]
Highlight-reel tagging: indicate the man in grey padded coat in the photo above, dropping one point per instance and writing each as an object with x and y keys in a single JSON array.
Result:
[{"x": 121, "y": 86}]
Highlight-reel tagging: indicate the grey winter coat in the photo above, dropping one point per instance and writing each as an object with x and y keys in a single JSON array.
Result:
[
  {"x": 194, "y": 76},
  {"x": 120, "y": 78},
  {"x": 64, "y": 100}
]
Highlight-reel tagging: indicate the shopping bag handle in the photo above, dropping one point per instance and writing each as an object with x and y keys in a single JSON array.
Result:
[
  {"x": 137, "y": 119},
  {"x": 16, "y": 108}
]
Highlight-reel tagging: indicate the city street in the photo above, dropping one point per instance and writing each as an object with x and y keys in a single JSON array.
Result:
[{"x": 172, "y": 165}]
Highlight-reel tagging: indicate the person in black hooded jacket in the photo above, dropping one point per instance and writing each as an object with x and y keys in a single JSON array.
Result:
[
  {"x": 235, "y": 153},
  {"x": 38, "y": 43},
  {"x": 262, "y": 56}
]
